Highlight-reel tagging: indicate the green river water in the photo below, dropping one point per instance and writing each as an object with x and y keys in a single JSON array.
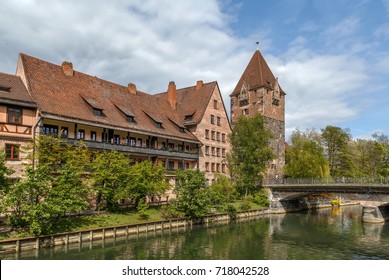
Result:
[{"x": 325, "y": 234}]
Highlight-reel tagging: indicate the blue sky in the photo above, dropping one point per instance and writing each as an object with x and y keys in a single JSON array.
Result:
[{"x": 331, "y": 57}]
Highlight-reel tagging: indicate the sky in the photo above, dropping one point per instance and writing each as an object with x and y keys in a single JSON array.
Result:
[{"x": 331, "y": 57}]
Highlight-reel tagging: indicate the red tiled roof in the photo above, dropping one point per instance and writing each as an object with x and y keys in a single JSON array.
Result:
[
  {"x": 76, "y": 96},
  {"x": 13, "y": 91},
  {"x": 257, "y": 74},
  {"x": 193, "y": 102}
]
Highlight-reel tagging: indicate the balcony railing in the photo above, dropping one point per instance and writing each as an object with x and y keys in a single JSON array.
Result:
[{"x": 167, "y": 152}]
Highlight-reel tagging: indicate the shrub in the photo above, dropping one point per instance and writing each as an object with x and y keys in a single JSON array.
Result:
[{"x": 232, "y": 212}]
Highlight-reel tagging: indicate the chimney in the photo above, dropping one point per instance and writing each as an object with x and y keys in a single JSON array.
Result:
[
  {"x": 132, "y": 88},
  {"x": 67, "y": 68},
  {"x": 199, "y": 84},
  {"x": 172, "y": 95}
]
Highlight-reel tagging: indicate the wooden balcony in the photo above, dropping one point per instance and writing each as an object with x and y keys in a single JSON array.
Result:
[{"x": 165, "y": 152}]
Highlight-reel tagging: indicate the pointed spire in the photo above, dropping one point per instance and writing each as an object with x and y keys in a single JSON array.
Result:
[{"x": 256, "y": 74}]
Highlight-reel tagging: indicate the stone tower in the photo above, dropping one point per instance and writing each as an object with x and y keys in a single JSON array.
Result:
[{"x": 258, "y": 91}]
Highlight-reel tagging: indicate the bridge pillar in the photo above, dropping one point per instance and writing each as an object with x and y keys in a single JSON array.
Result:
[{"x": 375, "y": 214}]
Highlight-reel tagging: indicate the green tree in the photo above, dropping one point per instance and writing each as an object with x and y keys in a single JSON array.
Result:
[
  {"x": 222, "y": 191},
  {"x": 144, "y": 179},
  {"x": 193, "y": 197},
  {"x": 305, "y": 156},
  {"x": 368, "y": 157},
  {"x": 4, "y": 173},
  {"x": 250, "y": 153},
  {"x": 109, "y": 175},
  {"x": 54, "y": 188},
  {"x": 336, "y": 144}
]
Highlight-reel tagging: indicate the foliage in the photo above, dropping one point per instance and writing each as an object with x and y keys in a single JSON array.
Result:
[
  {"x": 170, "y": 211},
  {"x": 141, "y": 208},
  {"x": 246, "y": 203},
  {"x": 305, "y": 156},
  {"x": 250, "y": 153},
  {"x": 4, "y": 179},
  {"x": 109, "y": 174},
  {"x": 222, "y": 191},
  {"x": 232, "y": 212},
  {"x": 193, "y": 198},
  {"x": 261, "y": 198},
  {"x": 336, "y": 142},
  {"x": 51, "y": 190},
  {"x": 143, "y": 180}
]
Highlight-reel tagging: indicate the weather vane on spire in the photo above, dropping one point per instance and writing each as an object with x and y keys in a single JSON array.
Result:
[{"x": 257, "y": 42}]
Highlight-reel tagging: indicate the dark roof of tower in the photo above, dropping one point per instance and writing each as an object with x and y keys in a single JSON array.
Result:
[{"x": 257, "y": 74}]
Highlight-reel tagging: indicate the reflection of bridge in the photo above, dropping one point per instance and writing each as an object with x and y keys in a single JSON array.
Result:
[{"x": 290, "y": 194}]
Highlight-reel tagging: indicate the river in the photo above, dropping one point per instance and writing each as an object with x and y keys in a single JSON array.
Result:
[{"x": 324, "y": 234}]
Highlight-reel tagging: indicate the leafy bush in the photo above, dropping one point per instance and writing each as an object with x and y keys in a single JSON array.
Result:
[
  {"x": 261, "y": 199},
  {"x": 232, "y": 212},
  {"x": 246, "y": 203},
  {"x": 170, "y": 211}
]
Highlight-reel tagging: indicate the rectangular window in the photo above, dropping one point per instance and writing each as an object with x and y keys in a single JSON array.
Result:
[
  {"x": 104, "y": 137},
  {"x": 139, "y": 142},
  {"x": 171, "y": 165},
  {"x": 207, "y": 150},
  {"x": 218, "y": 167},
  {"x": 14, "y": 115},
  {"x": 223, "y": 152},
  {"x": 223, "y": 168},
  {"x": 215, "y": 104},
  {"x": 206, "y": 134},
  {"x": 218, "y": 152},
  {"x": 223, "y": 137},
  {"x": 213, "y": 167},
  {"x": 50, "y": 129},
  {"x": 218, "y": 136},
  {"x": 81, "y": 134},
  {"x": 12, "y": 152},
  {"x": 116, "y": 139},
  {"x": 213, "y": 151},
  {"x": 132, "y": 141},
  {"x": 213, "y": 135},
  {"x": 187, "y": 166},
  {"x": 218, "y": 121},
  {"x": 180, "y": 165},
  {"x": 207, "y": 166},
  {"x": 93, "y": 136},
  {"x": 245, "y": 112},
  {"x": 212, "y": 119}
]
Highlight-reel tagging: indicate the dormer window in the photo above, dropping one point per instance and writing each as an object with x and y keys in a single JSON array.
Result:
[
  {"x": 182, "y": 130},
  {"x": 4, "y": 88},
  {"x": 188, "y": 117},
  {"x": 97, "y": 112},
  {"x": 158, "y": 124},
  {"x": 130, "y": 119}
]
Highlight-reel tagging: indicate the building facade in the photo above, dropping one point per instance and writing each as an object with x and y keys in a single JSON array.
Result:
[
  {"x": 17, "y": 123},
  {"x": 180, "y": 128},
  {"x": 258, "y": 92}
]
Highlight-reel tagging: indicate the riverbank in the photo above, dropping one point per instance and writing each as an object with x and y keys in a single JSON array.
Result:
[{"x": 97, "y": 234}]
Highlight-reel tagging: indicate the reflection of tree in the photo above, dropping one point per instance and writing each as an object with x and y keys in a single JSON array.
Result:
[{"x": 320, "y": 234}]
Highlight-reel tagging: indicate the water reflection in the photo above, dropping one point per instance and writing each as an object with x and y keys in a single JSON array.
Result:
[{"x": 319, "y": 234}]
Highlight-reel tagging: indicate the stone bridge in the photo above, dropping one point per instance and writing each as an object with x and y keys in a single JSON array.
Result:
[{"x": 291, "y": 194}]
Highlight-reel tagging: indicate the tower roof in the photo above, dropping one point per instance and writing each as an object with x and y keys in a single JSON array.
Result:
[{"x": 257, "y": 74}]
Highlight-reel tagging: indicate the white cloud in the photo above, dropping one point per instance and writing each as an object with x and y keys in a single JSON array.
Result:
[{"x": 321, "y": 89}]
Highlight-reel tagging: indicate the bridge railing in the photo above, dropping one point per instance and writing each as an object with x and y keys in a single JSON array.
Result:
[{"x": 326, "y": 181}]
